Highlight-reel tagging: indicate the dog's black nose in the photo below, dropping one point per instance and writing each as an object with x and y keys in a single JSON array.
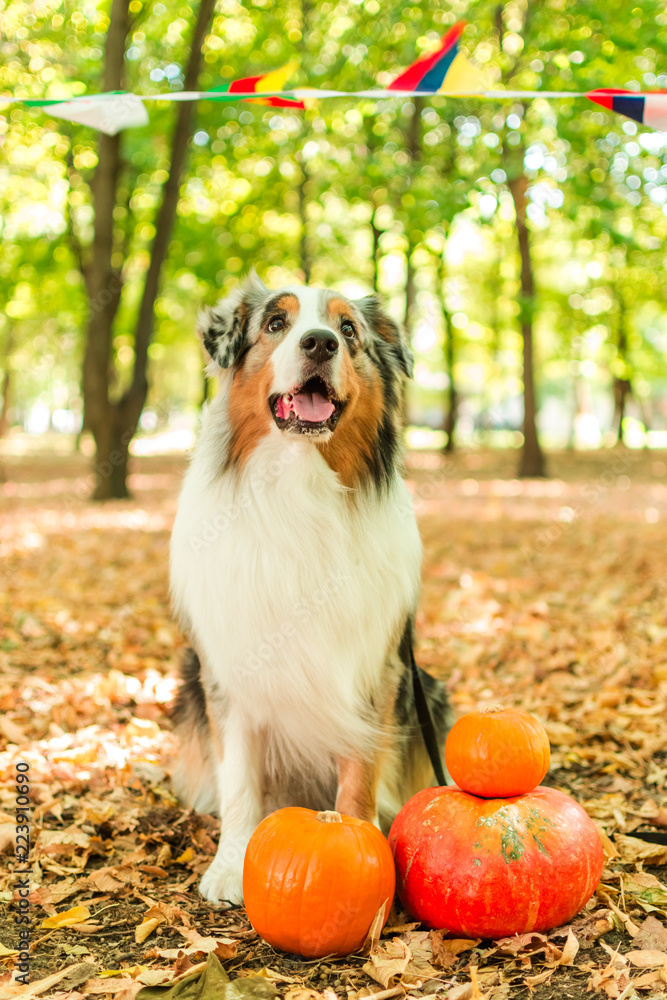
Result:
[{"x": 320, "y": 345}]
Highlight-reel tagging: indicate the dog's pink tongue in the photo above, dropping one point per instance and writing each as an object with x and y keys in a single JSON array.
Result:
[{"x": 312, "y": 406}]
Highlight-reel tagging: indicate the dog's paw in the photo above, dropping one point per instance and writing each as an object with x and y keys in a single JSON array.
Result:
[{"x": 222, "y": 883}]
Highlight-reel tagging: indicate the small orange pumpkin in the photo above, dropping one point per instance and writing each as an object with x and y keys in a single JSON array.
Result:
[
  {"x": 497, "y": 752},
  {"x": 314, "y": 882}
]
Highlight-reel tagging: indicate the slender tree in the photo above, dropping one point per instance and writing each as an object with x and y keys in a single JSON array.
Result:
[
  {"x": 532, "y": 457},
  {"x": 622, "y": 382},
  {"x": 6, "y": 382},
  {"x": 114, "y": 422},
  {"x": 414, "y": 151},
  {"x": 532, "y": 461}
]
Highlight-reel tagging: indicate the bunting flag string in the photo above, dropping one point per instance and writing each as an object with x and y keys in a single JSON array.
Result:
[{"x": 445, "y": 72}]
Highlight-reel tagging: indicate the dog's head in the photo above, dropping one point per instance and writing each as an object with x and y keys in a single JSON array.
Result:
[{"x": 312, "y": 362}]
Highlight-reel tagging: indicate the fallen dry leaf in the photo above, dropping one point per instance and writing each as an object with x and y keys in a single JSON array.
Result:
[
  {"x": 570, "y": 950},
  {"x": 274, "y": 976},
  {"x": 13, "y": 732},
  {"x": 75, "y": 915},
  {"x": 650, "y": 979},
  {"x": 447, "y": 950},
  {"x": 301, "y": 993},
  {"x": 652, "y": 935},
  {"x": 626, "y": 921},
  {"x": 592, "y": 926},
  {"x": 388, "y": 962},
  {"x": 647, "y": 890},
  {"x": 209, "y": 980},
  {"x": 224, "y": 948},
  {"x": 644, "y": 959},
  {"x": 41, "y": 986},
  {"x": 631, "y": 850},
  {"x": 464, "y": 991},
  {"x": 375, "y": 930},
  {"x": 147, "y": 926}
]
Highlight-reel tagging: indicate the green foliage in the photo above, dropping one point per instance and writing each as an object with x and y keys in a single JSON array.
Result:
[{"x": 321, "y": 191}]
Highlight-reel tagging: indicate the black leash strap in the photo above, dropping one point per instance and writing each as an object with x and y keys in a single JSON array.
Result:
[
  {"x": 650, "y": 836},
  {"x": 426, "y": 722}
]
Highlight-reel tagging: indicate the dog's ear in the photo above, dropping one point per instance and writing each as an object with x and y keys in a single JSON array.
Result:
[
  {"x": 224, "y": 327},
  {"x": 389, "y": 331}
]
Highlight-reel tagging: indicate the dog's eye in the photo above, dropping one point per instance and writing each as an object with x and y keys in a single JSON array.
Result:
[
  {"x": 276, "y": 324},
  {"x": 347, "y": 328}
]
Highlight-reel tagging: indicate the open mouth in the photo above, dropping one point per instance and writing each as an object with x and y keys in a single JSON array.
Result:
[{"x": 311, "y": 408}]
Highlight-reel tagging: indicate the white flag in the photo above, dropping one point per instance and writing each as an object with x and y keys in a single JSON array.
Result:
[{"x": 109, "y": 113}]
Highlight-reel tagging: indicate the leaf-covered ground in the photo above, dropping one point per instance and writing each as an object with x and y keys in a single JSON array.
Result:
[{"x": 547, "y": 594}]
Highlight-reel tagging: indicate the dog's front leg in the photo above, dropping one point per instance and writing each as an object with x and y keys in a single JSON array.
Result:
[
  {"x": 357, "y": 788},
  {"x": 238, "y": 759}
]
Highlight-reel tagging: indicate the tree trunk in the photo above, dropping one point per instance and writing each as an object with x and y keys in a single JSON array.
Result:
[
  {"x": 111, "y": 458},
  {"x": 622, "y": 385},
  {"x": 304, "y": 251},
  {"x": 114, "y": 424},
  {"x": 449, "y": 358},
  {"x": 6, "y": 398},
  {"x": 377, "y": 233},
  {"x": 410, "y": 290},
  {"x": 371, "y": 146},
  {"x": 532, "y": 458},
  {"x": 103, "y": 281},
  {"x": 622, "y": 389},
  {"x": 305, "y": 133},
  {"x": 413, "y": 149},
  {"x": 452, "y": 394},
  {"x": 7, "y": 385}
]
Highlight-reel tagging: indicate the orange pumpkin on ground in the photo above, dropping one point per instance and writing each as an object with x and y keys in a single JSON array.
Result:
[
  {"x": 497, "y": 752},
  {"x": 494, "y": 867},
  {"x": 314, "y": 882}
]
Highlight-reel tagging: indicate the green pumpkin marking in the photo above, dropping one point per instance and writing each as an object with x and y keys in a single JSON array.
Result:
[{"x": 511, "y": 844}]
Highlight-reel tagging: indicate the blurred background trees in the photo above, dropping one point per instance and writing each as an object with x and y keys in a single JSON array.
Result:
[{"x": 522, "y": 243}]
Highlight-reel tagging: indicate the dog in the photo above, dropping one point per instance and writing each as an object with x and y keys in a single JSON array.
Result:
[{"x": 295, "y": 572}]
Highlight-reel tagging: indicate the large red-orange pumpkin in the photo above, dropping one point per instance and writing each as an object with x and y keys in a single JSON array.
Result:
[
  {"x": 497, "y": 752},
  {"x": 314, "y": 882},
  {"x": 495, "y": 867}
]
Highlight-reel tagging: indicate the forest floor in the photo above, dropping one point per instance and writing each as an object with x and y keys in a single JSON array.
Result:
[{"x": 548, "y": 594}]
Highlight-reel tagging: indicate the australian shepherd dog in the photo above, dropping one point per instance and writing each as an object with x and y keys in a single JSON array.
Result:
[{"x": 295, "y": 571}]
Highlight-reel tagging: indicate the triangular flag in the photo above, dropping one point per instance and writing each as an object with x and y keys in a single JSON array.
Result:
[
  {"x": 108, "y": 113},
  {"x": 428, "y": 73},
  {"x": 273, "y": 80},
  {"x": 445, "y": 71},
  {"x": 463, "y": 78},
  {"x": 277, "y": 78},
  {"x": 649, "y": 109}
]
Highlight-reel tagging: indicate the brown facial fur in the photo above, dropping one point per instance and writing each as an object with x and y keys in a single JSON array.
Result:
[
  {"x": 351, "y": 447},
  {"x": 289, "y": 304},
  {"x": 249, "y": 416},
  {"x": 338, "y": 310}
]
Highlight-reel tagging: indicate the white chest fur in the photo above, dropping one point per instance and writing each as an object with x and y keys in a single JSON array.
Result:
[{"x": 292, "y": 590}]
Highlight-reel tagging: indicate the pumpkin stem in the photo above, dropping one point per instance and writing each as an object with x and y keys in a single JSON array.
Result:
[
  {"x": 329, "y": 816},
  {"x": 490, "y": 709}
]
